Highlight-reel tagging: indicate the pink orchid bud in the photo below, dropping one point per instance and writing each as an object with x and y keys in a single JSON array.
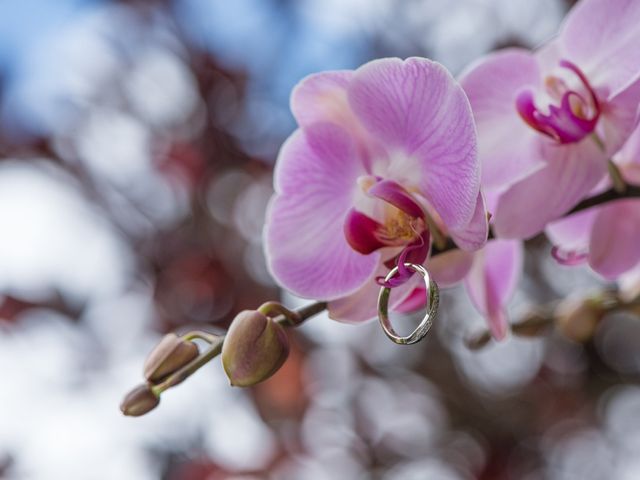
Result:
[
  {"x": 254, "y": 349},
  {"x": 171, "y": 354},
  {"x": 139, "y": 401}
]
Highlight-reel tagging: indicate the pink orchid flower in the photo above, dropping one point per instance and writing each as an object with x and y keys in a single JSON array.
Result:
[
  {"x": 383, "y": 162},
  {"x": 549, "y": 121},
  {"x": 607, "y": 236}
]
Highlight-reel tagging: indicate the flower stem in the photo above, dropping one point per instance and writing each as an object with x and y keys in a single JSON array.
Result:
[
  {"x": 207, "y": 337},
  {"x": 535, "y": 323},
  {"x": 631, "y": 191},
  {"x": 287, "y": 318},
  {"x": 268, "y": 309},
  {"x": 302, "y": 314},
  {"x": 619, "y": 185}
]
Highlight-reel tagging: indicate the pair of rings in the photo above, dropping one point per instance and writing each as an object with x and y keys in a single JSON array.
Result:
[{"x": 433, "y": 299}]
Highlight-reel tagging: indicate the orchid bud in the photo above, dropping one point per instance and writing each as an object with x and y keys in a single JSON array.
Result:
[
  {"x": 534, "y": 325},
  {"x": 171, "y": 354},
  {"x": 577, "y": 320},
  {"x": 478, "y": 340},
  {"x": 139, "y": 401},
  {"x": 254, "y": 349}
]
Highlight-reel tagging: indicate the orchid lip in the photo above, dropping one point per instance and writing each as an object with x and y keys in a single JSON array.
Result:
[
  {"x": 365, "y": 234},
  {"x": 394, "y": 194},
  {"x": 568, "y": 257},
  {"x": 416, "y": 253},
  {"x": 361, "y": 232},
  {"x": 406, "y": 228},
  {"x": 573, "y": 119}
]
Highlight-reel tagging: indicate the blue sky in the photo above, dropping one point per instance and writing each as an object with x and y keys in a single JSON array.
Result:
[{"x": 24, "y": 23}]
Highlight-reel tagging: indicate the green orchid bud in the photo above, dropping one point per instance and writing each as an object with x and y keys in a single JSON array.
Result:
[
  {"x": 139, "y": 401},
  {"x": 254, "y": 349},
  {"x": 171, "y": 354}
]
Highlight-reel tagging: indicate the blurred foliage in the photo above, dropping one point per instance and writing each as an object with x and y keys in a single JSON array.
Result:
[{"x": 163, "y": 119}]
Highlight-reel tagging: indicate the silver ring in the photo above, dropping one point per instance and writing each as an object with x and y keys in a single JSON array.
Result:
[{"x": 433, "y": 299}]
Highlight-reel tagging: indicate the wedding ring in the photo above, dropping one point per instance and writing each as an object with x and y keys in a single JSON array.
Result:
[{"x": 433, "y": 299}]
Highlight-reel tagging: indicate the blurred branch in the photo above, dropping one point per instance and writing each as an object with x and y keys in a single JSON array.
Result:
[
  {"x": 144, "y": 398},
  {"x": 576, "y": 320},
  {"x": 631, "y": 191}
]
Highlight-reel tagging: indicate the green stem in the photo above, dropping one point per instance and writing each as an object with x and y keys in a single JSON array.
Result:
[
  {"x": 302, "y": 314},
  {"x": 207, "y": 337},
  {"x": 268, "y": 309}
]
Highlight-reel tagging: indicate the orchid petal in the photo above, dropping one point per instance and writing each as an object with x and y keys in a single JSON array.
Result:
[
  {"x": 416, "y": 300},
  {"x": 602, "y": 36},
  {"x": 315, "y": 181},
  {"x": 570, "y": 174},
  {"x": 393, "y": 193},
  {"x": 549, "y": 55},
  {"x": 615, "y": 240},
  {"x": 573, "y": 233},
  {"x": 628, "y": 159},
  {"x": 450, "y": 267},
  {"x": 620, "y": 118},
  {"x": 322, "y": 97},
  {"x": 473, "y": 236},
  {"x": 507, "y": 147},
  {"x": 629, "y": 154},
  {"x": 423, "y": 117},
  {"x": 492, "y": 280}
]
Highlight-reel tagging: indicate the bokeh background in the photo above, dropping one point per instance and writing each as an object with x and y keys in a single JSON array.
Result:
[{"x": 137, "y": 141}]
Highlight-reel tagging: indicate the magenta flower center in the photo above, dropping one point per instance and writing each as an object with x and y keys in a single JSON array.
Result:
[
  {"x": 400, "y": 228},
  {"x": 570, "y": 109},
  {"x": 399, "y": 221}
]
